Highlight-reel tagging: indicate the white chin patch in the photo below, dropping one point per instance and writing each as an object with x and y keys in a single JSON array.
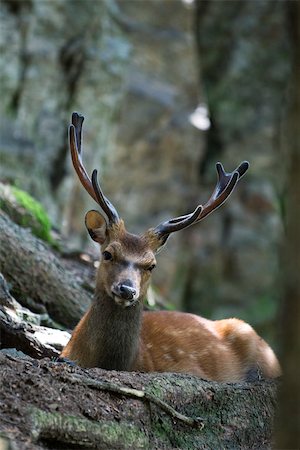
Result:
[{"x": 121, "y": 302}]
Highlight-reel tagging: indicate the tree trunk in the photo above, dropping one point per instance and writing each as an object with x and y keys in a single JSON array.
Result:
[
  {"x": 35, "y": 273},
  {"x": 288, "y": 432},
  {"x": 53, "y": 403}
]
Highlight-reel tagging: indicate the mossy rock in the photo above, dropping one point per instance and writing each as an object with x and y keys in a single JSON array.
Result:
[{"x": 25, "y": 211}]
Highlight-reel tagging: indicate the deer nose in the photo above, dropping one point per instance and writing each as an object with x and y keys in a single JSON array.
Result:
[{"x": 127, "y": 292}]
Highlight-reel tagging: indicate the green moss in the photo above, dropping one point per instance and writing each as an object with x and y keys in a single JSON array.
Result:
[
  {"x": 81, "y": 432},
  {"x": 42, "y": 226}
]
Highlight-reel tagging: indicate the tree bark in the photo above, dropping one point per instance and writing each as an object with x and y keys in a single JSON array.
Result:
[
  {"x": 35, "y": 273},
  {"x": 93, "y": 408},
  {"x": 288, "y": 431},
  {"x": 19, "y": 329}
]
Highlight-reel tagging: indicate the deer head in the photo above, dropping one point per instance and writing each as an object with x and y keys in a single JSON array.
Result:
[{"x": 128, "y": 260}]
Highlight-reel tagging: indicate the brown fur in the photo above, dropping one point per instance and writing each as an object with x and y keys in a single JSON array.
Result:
[
  {"x": 124, "y": 338},
  {"x": 223, "y": 350}
]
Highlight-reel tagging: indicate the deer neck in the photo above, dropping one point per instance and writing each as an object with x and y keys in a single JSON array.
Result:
[{"x": 115, "y": 332}]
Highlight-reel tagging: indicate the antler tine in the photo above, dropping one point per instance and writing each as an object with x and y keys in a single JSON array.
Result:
[
  {"x": 75, "y": 147},
  {"x": 77, "y": 121},
  {"x": 225, "y": 185},
  {"x": 105, "y": 204},
  {"x": 242, "y": 168},
  {"x": 92, "y": 187}
]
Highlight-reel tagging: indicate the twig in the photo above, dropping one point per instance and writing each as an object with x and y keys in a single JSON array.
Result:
[{"x": 136, "y": 393}]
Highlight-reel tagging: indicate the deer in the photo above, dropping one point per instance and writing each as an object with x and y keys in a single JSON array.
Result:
[{"x": 117, "y": 334}]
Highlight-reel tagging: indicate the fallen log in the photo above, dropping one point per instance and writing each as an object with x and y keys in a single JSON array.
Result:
[
  {"x": 21, "y": 329},
  {"x": 38, "y": 276},
  {"x": 61, "y": 406}
]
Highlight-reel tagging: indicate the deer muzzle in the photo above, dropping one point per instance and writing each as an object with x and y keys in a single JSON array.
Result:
[{"x": 125, "y": 294}]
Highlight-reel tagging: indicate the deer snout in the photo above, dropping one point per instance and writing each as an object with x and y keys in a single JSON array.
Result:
[{"x": 125, "y": 291}]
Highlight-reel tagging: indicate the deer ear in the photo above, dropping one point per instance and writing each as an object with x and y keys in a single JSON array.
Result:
[{"x": 96, "y": 226}]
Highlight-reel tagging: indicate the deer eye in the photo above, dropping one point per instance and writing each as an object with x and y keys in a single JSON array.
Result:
[
  {"x": 150, "y": 268},
  {"x": 107, "y": 256}
]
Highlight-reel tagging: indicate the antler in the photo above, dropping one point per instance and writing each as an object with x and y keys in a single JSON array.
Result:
[
  {"x": 225, "y": 185},
  {"x": 91, "y": 186}
]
